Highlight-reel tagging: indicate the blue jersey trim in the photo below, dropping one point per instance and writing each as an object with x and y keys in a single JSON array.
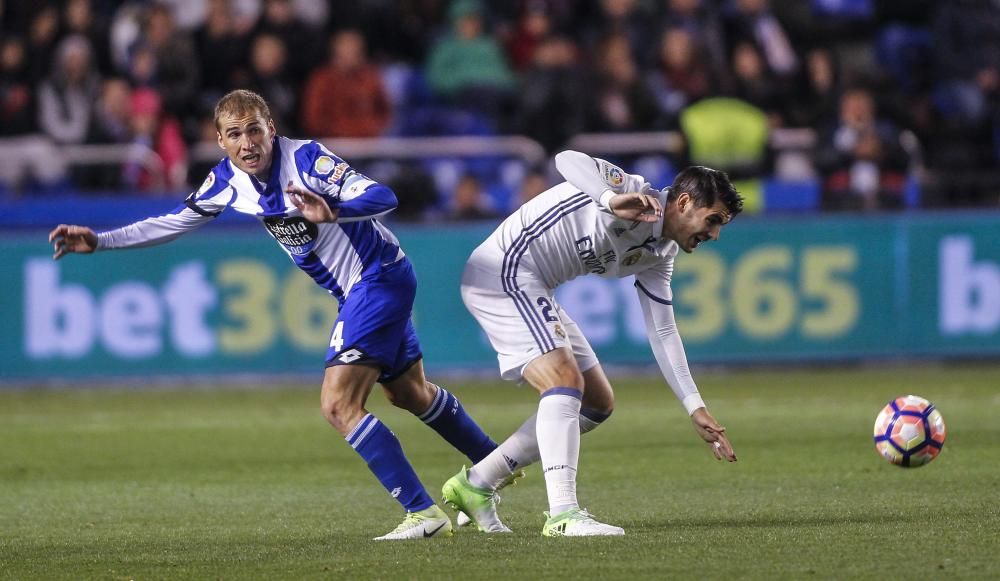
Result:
[
  {"x": 651, "y": 296},
  {"x": 512, "y": 258},
  {"x": 314, "y": 267},
  {"x": 564, "y": 391}
]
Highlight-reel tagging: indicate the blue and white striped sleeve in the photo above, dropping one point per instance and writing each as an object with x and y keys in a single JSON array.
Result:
[
  {"x": 200, "y": 207},
  {"x": 356, "y": 196},
  {"x": 656, "y": 300}
]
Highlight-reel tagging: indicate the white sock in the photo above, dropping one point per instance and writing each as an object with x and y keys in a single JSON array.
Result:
[
  {"x": 518, "y": 451},
  {"x": 558, "y": 429}
]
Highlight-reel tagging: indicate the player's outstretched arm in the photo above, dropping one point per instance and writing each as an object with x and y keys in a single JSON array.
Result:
[
  {"x": 313, "y": 207},
  {"x": 66, "y": 238},
  {"x": 713, "y": 434}
]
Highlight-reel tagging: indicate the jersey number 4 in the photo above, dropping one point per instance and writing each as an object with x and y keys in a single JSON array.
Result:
[{"x": 337, "y": 340}]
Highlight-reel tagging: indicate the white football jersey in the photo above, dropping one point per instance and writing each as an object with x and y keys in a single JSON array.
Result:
[
  {"x": 335, "y": 255},
  {"x": 567, "y": 231}
]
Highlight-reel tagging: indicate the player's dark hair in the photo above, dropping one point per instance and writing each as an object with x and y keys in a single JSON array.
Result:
[
  {"x": 705, "y": 186},
  {"x": 241, "y": 102}
]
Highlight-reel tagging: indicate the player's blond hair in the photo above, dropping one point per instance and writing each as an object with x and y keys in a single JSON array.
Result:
[{"x": 241, "y": 102}]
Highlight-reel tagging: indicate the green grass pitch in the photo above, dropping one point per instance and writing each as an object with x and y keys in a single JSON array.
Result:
[{"x": 251, "y": 484}]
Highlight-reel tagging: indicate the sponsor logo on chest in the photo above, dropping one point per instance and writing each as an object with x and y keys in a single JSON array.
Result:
[
  {"x": 296, "y": 234},
  {"x": 593, "y": 262}
]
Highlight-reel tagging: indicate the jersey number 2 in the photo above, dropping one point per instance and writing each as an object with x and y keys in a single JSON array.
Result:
[{"x": 546, "y": 309}]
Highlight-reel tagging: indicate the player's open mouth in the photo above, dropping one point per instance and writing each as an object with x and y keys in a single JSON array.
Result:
[
  {"x": 697, "y": 240},
  {"x": 251, "y": 159}
]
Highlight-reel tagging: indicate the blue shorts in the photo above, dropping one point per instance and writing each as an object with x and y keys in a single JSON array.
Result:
[{"x": 374, "y": 326}]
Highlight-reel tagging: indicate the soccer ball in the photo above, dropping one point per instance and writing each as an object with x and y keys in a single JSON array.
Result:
[{"x": 909, "y": 431}]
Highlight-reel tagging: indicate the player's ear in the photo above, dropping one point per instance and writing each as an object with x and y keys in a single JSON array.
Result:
[
  {"x": 683, "y": 201},
  {"x": 221, "y": 144}
]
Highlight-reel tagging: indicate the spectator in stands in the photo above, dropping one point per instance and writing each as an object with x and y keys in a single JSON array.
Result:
[
  {"x": 751, "y": 21},
  {"x": 17, "y": 93},
  {"x": 269, "y": 78},
  {"x": 626, "y": 19},
  {"x": 470, "y": 202},
  {"x": 43, "y": 36},
  {"x": 79, "y": 18},
  {"x": 304, "y": 42},
  {"x": 467, "y": 66},
  {"x": 966, "y": 94},
  {"x": 753, "y": 83},
  {"x": 618, "y": 99},
  {"x": 680, "y": 76},
  {"x": 818, "y": 93},
  {"x": 966, "y": 41},
  {"x": 531, "y": 28},
  {"x": 534, "y": 183},
  {"x": 221, "y": 49},
  {"x": 27, "y": 157},
  {"x": 860, "y": 158},
  {"x": 112, "y": 124},
  {"x": 346, "y": 97},
  {"x": 112, "y": 114},
  {"x": 66, "y": 97},
  {"x": 177, "y": 70},
  {"x": 550, "y": 105},
  {"x": 702, "y": 23},
  {"x": 155, "y": 129},
  {"x": 416, "y": 191}
]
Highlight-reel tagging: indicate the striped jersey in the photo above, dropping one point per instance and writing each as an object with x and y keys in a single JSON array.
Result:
[{"x": 336, "y": 255}]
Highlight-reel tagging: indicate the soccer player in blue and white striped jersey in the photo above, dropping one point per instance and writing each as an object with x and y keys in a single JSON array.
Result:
[{"x": 324, "y": 215}]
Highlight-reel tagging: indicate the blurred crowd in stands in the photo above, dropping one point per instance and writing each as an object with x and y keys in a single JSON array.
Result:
[{"x": 894, "y": 94}]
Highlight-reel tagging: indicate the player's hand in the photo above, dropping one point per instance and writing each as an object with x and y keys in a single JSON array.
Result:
[
  {"x": 636, "y": 207},
  {"x": 65, "y": 239},
  {"x": 313, "y": 207},
  {"x": 713, "y": 434}
]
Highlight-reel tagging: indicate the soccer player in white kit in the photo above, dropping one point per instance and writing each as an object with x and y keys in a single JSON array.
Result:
[
  {"x": 324, "y": 215},
  {"x": 600, "y": 221}
]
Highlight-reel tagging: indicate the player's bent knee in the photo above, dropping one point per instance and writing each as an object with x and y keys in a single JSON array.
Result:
[
  {"x": 412, "y": 396},
  {"x": 340, "y": 412}
]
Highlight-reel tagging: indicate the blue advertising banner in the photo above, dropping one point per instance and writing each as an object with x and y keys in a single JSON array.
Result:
[{"x": 229, "y": 301}]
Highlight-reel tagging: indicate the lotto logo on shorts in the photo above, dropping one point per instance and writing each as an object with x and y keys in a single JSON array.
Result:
[{"x": 350, "y": 356}]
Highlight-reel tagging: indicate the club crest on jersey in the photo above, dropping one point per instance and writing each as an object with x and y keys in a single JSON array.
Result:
[
  {"x": 631, "y": 259},
  {"x": 559, "y": 331},
  {"x": 613, "y": 175},
  {"x": 296, "y": 234},
  {"x": 207, "y": 184},
  {"x": 338, "y": 172},
  {"x": 324, "y": 165}
]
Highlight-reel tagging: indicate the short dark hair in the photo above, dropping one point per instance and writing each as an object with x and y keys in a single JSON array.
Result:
[{"x": 706, "y": 186}]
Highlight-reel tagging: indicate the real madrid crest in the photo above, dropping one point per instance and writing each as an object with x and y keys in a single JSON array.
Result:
[{"x": 631, "y": 259}]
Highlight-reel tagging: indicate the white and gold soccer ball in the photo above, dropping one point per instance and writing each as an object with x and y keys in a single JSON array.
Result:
[{"x": 909, "y": 431}]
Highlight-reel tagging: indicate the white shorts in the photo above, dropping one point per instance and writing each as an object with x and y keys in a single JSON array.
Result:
[{"x": 522, "y": 320}]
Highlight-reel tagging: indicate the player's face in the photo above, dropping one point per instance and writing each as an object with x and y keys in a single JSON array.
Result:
[
  {"x": 691, "y": 225},
  {"x": 247, "y": 141}
]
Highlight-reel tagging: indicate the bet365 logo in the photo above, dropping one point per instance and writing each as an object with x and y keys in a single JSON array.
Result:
[{"x": 968, "y": 289}]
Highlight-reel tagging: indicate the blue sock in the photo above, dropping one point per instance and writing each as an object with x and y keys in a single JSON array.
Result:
[
  {"x": 381, "y": 450},
  {"x": 448, "y": 418}
]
